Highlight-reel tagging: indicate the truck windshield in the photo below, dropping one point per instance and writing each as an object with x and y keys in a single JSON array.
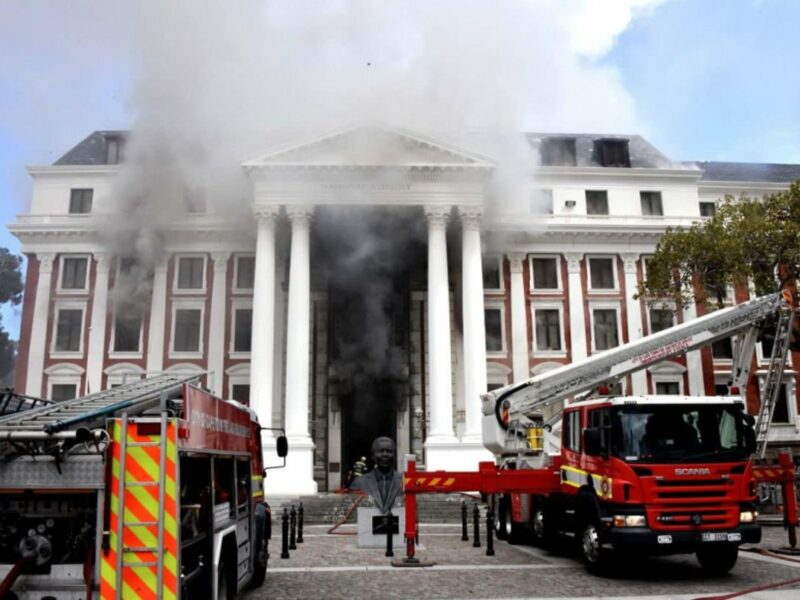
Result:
[{"x": 665, "y": 433}]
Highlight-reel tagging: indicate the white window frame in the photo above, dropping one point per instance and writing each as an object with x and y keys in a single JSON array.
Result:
[
  {"x": 559, "y": 306},
  {"x": 660, "y": 199},
  {"x": 668, "y": 372},
  {"x": 502, "y": 308},
  {"x": 560, "y": 285},
  {"x": 77, "y": 291},
  {"x": 723, "y": 361},
  {"x": 665, "y": 306},
  {"x": 175, "y": 276},
  {"x": 235, "y": 283},
  {"x": 237, "y": 375},
  {"x": 188, "y": 305},
  {"x": 68, "y": 305},
  {"x": 122, "y": 373},
  {"x": 614, "y": 274},
  {"x": 586, "y": 202},
  {"x": 238, "y": 305},
  {"x": 499, "y": 260},
  {"x": 112, "y": 342},
  {"x": 605, "y": 306},
  {"x": 64, "y": 374}
]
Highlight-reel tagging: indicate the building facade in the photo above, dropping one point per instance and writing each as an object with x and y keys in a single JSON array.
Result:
[{"x": 375, "y": 290}]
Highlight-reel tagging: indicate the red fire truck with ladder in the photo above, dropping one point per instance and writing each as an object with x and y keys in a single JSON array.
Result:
[
  {"x": 643, "y": 475},
  {"x": 153, "y": 489}
]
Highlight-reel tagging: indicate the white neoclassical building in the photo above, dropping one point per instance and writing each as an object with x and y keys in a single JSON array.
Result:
[{"x": 375, "y": 290}]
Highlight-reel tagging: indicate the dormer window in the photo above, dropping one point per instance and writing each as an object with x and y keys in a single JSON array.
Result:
[
  {"x": 114, "y": 149},
  {"x": 612, "y": 152},
  {"x": 558, "y": 152}
]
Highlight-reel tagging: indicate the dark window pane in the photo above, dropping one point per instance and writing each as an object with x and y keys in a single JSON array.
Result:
[
  {"x": 187, "y": 330},
  {"x": 490, "y": 387},
  {"x": 558, "y": 152},
  {"x": 668, "y": 388},
  {"x": 548, "y": 329},
  {"x": 190, "y": 273},
  {"x": 708, "y": 209},
  {"x": 80, "y": 201},
  {"x": 545, "y": 274},
  {"x": 241, "y": 393},
  {"x": 74, "y": 275},
  {"x": 602, "y": 273},
  {"x": 612, "y": 153},
  {"x": 494, "y": 330},
  {"x": 63, "y": 391},
  {"x": 127, "y": 330},
  {"x": 722, "y": 349},
  {"x": 243, "y": 331},
  {"x": 491, "y": 273},
  {"x": 720, "y": 389},
  {"x": 605, "y": 329},
  {"x": 651, "y": 203},
  {"x": 245, "y": 272},
  {"x": 596, "y": 202},
  {"x": 781, "y": 414},
  {"x": 542, "y": 202},
  {"x": 68, "y": 330},
  {"x": 660, "y": 319}
]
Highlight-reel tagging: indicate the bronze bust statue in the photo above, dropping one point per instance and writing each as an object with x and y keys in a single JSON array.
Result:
[{"x": 384, "y": 484}]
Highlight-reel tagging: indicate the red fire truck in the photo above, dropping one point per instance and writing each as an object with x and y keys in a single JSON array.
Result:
[
  {"x": 154, "y": 489},
  {"x": 643, "y": 475}
]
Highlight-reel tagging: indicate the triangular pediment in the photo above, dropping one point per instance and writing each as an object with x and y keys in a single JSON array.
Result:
[{"x": 370, "y": 146}]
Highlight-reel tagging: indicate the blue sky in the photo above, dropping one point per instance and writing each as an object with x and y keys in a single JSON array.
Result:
[{"x": 706, "y": 79}]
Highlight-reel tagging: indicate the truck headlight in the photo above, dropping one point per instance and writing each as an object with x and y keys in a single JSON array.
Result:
[
  {"x": 629, "y": 521},
  {"x": 748, "y": 516}
]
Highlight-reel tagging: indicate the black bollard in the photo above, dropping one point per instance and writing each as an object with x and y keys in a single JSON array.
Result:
[
  {"x": 476, "y": 526},
  {"x": 464, "y": 536},
  {"x": 292, "y": 528},
  {"x": 388, "y": 520},
  {"x": 300, "y": 512},
  {"x": 489, "y": 532},
  {"x": 285, "y": 534}
]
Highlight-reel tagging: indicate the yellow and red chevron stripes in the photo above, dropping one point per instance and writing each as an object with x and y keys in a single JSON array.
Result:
[
  {"x": 141, "y": 518},
  {"x": 430, "y": 482}
]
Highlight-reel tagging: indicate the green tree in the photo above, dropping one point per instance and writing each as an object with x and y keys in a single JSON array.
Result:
[
  {"x": 748, "y": 239},
  {"x": 11, "y": 288}
]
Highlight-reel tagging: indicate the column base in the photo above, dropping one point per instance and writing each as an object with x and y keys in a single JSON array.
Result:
[
  {"x": 455, "y": 455},
  {"x": 297, "y": 477}
]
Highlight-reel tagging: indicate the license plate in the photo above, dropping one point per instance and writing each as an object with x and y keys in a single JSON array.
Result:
[
  {"x": 665, "y": 539},
  {"x": 720, "y": 536}
]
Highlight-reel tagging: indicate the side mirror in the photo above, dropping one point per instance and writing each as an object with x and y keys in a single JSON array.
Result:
[
  {"x": 282, "y": 446},
  {"x": 592, "y": 442}
]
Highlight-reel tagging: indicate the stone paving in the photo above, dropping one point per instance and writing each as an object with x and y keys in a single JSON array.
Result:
[{"x": 332, "y": 567}]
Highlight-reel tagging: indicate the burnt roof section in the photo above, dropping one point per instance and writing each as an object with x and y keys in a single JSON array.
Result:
[
  {"x": 93, "y": 150},
  {"x": 643, "y": 155},
  {"x": 741, "y": 171}
]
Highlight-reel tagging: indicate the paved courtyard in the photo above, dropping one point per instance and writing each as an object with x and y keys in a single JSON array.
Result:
[{"x": 332, "y": 567}]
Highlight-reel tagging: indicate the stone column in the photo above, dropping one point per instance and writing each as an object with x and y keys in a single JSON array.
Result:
[
  {"x": 298, "y": 348},
  {"x": 158, "y": 309},
  {"x": 577, "y": 320},
  {"x": 41, "y": 316},
  {"x": 262, "y": 348},
  {"x": 440, "y": 438},
  {"x": 519, "y": 320},
  {"x": 694, "y": 360},
  {"x": 216, "y": 326},
  {"x": 634, "y": 310},
  {"x": 97, "y": 324},
  {"x": 474, "y": 323}
]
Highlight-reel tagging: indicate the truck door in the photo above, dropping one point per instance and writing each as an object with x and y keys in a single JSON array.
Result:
[
  {"x": 599, "y": 467},
  {"x": 243, "y": 516}
]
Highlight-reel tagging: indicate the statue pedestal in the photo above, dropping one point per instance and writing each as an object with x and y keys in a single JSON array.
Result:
[{"x": 371, "y": 528}]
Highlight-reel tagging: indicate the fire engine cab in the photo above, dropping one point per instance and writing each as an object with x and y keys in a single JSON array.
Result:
[{"x": 154, "y": 489}]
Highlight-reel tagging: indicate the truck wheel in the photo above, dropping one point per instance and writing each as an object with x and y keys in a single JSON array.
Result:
[
  {"x": 595, "y": 557},
  {"x": 260, "y": 563},
  {"x": 225, "y": 589},
  {"x": 541, "y": 528},
  {"x": 501, "y": 517},
  {"x": 718, "y": 560}
]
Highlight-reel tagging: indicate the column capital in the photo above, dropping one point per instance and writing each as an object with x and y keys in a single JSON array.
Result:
[
  {"x": 267, "y": 215},
  {"x": 573, "y": 261},
  {"x": 220, "y": 261},
  {"x": 437, "y": 216},
  {"x": 516, "y": 260},
  {"x": 45, "y": 261},
  {"x": 471, "y": 217},
  {"x": 103, "y": 260},
  {"x": 629, "y": 262},
  {"x": 300, "y": 215}
]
